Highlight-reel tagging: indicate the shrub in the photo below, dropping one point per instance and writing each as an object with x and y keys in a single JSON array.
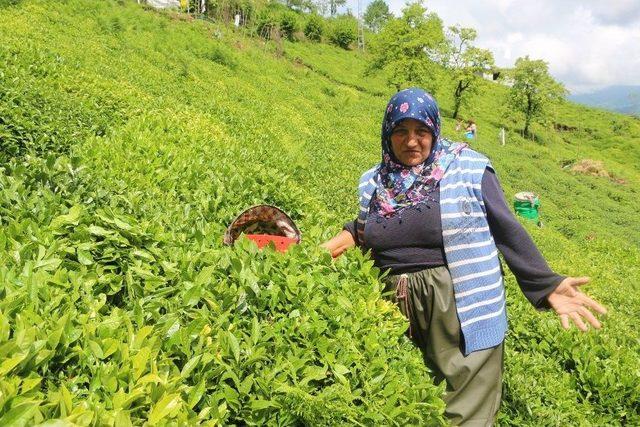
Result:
[
  {"x": 343, "y": 32},
  {"x": 225, "y": 10},
  {"x": 314, "y": 28},
  {"x": 278, "y": 17},
  {"x": 7, "y": 3},
  {"x": 223, "y": 56},
  {"x": 266, "y": 22},
  {"x": 289, "y": 24}
]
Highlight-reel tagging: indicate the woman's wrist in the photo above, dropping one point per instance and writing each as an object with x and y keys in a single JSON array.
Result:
[{"x": 340, "y": 243}]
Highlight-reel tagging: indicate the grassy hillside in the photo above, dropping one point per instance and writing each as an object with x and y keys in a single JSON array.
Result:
[{"x": 130, "y": 139}]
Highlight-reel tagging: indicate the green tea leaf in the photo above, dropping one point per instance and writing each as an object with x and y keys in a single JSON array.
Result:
[
  {"x": 190, "y": 365},
  {"x": 165, "y": 407},
  {"x": 8, "y": 364},
  {"x": 19, "y": 415},
  {"x": 84, "y": 257}
]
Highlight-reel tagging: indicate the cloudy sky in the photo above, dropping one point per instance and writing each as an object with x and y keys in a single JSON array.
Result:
[{"x": 588, "y": 44}]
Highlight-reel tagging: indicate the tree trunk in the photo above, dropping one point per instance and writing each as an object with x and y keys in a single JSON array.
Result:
[
  {"x": 458, "y": 98},
  {"x": 527, "y": 118},
  {"x": 456, "y": 107}
]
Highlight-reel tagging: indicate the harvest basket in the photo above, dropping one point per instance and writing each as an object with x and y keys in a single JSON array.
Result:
[
  {"x": 264, "y": 224},
  {"x": 527, "y": 205}
]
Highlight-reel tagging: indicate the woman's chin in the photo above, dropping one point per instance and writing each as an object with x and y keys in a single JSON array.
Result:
[{"x": 412, "y": 161}]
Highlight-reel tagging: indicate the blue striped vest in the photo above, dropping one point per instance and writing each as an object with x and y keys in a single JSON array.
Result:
[{"x": 471, "y": 253}]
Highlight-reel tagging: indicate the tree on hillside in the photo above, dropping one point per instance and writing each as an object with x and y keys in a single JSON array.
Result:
[
  {"x": 376, "y": 15},
  {"x": 406, "y": 49},
  {"x": 329, "y": 6},
  {"x": 334, "y": 4},
  {"x": 314, "y": 28},
  {"x": 533, "y": 90},
  {"x": 342, "y": 30},
  {"x": 302, "y": 5},
  {"x": 225, "y": 10},
  {"x": 466, "y": 64}
]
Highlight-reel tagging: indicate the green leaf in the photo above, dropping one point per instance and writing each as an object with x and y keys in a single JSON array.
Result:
[
  {"x": 340, "y": 369},
  {"x": 344, "y": 302},
  {"x": 164, "y": 408},
  {"x": 192, "y": 296},
  {"x": 190, "y": 365},
  {"x": 84, "y": 257},
  {"x": 8, "y": 364},
  {"x": 234, "y": 346},
  {"x": 141, "y": 335},
  {"x": 175, "y": 327},
  {"x": 314, "y": 373},
  {"x": 70, "y": 218},
  {"x": 123, "y": 225},
  {"x": 96, "y": 349},
  {"x": 122, "y": 419},
  {"x": 139, "y": 253},
  {"x": 99, "y": 231},
  {"x": 196, "y": 394},
  {"x": 28, "y": 384},
  {"x": 245, "y": 386},
  {"x": 139, "y": 362},
  {"x": 66, "y": 399},
  {"x": 47, "y": 264},
  {"x": 19, "y": 415},
  {"x": 257, "y": 405},
  {"x": 204, "y": 277}
]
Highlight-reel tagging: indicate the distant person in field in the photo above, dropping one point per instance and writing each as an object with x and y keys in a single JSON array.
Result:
[
  {"x": 434, "y": 216},
  {"x": 472, "y": 129},
  {"x": 458, "y": 125}
]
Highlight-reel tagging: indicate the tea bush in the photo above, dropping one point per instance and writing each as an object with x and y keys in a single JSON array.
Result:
[
  {"x": 343, "y": 31},
  {"x": 314, "y": 28},
  {"x": 289, "y": 24}
]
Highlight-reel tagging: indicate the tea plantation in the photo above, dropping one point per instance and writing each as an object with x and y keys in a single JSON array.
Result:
[{"x": 130, "y": 138}]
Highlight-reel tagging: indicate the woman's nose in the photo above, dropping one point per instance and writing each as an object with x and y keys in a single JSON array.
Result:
[{"x": 412, "y": 138}]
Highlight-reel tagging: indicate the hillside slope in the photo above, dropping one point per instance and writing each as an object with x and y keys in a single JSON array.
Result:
[{"x": 131, "y": 138}]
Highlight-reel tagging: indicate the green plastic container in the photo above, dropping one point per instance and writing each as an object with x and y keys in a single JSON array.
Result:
[{"x": 527, "y": 205}]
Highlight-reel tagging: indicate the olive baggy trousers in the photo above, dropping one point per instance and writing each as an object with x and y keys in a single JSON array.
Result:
[{"x": 474, "y": 382}]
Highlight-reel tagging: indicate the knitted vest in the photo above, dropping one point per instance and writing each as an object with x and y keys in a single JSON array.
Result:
[{"x": 471, "y": 253}]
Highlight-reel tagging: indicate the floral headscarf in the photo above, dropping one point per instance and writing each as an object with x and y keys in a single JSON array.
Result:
[{"x": 400, "y": 186}]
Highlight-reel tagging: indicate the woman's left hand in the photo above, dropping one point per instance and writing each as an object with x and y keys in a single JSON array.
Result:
[{"x": 570, "y": 303}]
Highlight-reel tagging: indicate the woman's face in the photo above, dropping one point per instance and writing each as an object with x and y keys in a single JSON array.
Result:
[{"x": 411, "y": 142}]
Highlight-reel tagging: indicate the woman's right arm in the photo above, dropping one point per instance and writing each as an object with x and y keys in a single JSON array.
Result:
[{"x": 340, "y": 243}]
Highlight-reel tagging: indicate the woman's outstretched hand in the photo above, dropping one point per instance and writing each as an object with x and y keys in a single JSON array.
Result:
[
  {"x": 339, "y": 244},
  {"x": 570, "y": 303}
]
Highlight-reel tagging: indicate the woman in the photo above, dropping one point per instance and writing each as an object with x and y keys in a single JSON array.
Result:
[
  {"x": 471, "y": 129},
  {"x": 434, "y": 215}
]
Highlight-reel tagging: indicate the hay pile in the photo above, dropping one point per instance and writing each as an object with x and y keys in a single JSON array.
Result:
[{"x": 594, "y": 168}]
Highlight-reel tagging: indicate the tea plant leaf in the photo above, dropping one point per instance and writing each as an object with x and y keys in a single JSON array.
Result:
[
  {"x": 8, "y": 364},
  {"x": 165, "y": 407},
  {"x": 20, "y": 415}
]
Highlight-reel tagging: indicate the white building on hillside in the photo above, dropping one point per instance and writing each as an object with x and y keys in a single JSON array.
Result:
[{"x": 163, "y": 4}]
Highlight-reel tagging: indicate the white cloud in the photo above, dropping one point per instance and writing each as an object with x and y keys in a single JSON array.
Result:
[{"x": 587, "y": 43}]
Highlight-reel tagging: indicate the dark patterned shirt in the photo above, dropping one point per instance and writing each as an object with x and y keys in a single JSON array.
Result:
[{"x": 412, "y": 241}]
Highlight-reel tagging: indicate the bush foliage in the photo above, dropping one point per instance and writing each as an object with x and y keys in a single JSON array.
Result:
[
  {"x": 343, "y": 32},
  {"x": 314, "y": 28}
]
